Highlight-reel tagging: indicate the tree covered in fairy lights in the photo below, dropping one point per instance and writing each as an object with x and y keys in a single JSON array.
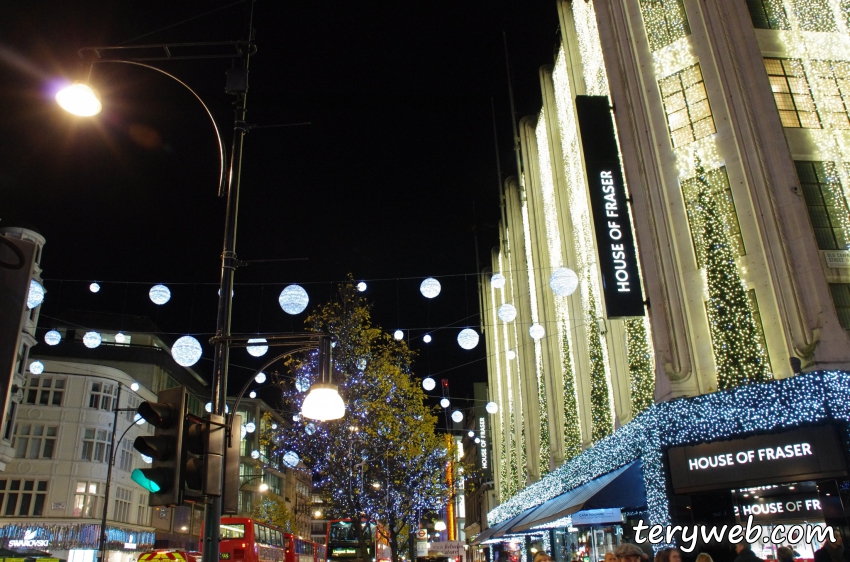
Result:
[{"x": 382, "y": 461}]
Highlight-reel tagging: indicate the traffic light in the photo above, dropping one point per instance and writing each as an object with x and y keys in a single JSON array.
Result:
[
  {"x": 204, "y": 441},
  {"x": 165, "y": 446},
  {"x": 230, "y": 493}
]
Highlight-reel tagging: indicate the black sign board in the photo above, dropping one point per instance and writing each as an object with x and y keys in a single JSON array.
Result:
[
  {"x": 614, "y": 241},
  {"x": 790, "y": 456}
]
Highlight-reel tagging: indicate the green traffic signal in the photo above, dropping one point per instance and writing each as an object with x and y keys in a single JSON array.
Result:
[{"x": 151, "y": 482}]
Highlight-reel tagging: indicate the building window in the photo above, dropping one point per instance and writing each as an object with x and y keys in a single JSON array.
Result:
[
  {"x": 101, "y": 395},
  {"x": 273, "y": 482},
  {"x": 245, "y": 501},
  {"x": 86, "y": 499},
  {"x": 826, "y": 204},
  {"x": 24, "y": 498},
  {"x": 95, "y": 445},
  {"x": 686, "y": 105},
  {"x": 34, "y": 441},
  {"x": 143, "y": 514},
  {"x": 121, "y": 507},
  {"x": 665, "y": 21},
  {"x": 44, "y": 391},
  {"x": 841, "y": 298},
  {"x": 132, "y": 402},
  {"x": 832, "y": 78},
  {"x": 716, "y": 182},
  {"x": 815, "y": 15},
  {"x": 768, "y": 14},
  {"x": 791, "y": 93},
  {"x": 126, "y": 455}
]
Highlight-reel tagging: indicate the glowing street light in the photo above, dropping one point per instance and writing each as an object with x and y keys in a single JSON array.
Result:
[{"x": 79, "y": 99}]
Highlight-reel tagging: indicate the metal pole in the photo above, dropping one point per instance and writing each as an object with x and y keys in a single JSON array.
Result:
[
  {"x": 212, "y": 515},
  {"x": 101, "y": 547}
]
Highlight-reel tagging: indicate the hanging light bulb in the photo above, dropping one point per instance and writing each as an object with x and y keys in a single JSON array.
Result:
[
  {"x": 293, "y": 299},
  {"x": 430, "y": 288},
  {"x": 250, "y": 427},
  {"x": 36, "y": 367},
  {"x": 134, "y": 387},
  {"x": 291, "y": 459},
  {"x": 159, "y": 294},
  {"x": 257, "y": 350},
  {"x": 92, "y": 339},
  {"x": 186, "y": 351},
  {"x": 94, "y": 287},
  {"x": 252, "y": 394},
  {"x": 52, "y": 337},
  {"x": 497, "y": 280},
  {"x": 491, "y": 407},
  {"x": 361, "y": 286},
  {"x": 428, "y": 383},
  {"x": 399, "y": 335},
  {"x": 467, "y": 338},
  {"x": 507, "y": 312},
  {"x": 471, "y": 434},
  {"x": 536, "y": 332},
  {"x": 119, "y": 338},
  {"x": 563, "y": 281},
  {"x": 426, "y": 338},
  {"x": 457, "y": 416},
  {"x": 323, "y": 403},
  {"x": 260, "y": 378},
  {"x": 35, "y": 296},
  {"x": 445, "y": 403}
]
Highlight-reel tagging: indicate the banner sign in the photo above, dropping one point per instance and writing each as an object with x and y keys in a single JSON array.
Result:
[
  {"x": 613, "y": 226},
  {"x": 796, "y": 455}
]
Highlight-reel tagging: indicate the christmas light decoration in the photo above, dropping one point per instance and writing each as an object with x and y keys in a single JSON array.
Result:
[
  {"x": 398, "y": 335},
  {"x": 252, "y": 394},
  {"x": 208, "y": 407},
  {"x": 664, "y": 21},
  {"x": 600, "y": 404},
  {"x": 134, "y": 386},
  {"x": 310, "y": 428},
  {"x": 426, "y": 338},
  {"x": 293, "y": 299},
  {"x": 260, "y": 378},
  {"x": 536, "y": 332},
  {"x": 257, "y": 350},
  {"x": 302, "y": 383},
  {"x": 467, "y": 338},
  {"x": 159, "y": 294},
  {"x": 120, "y": 338},
  {"x": 94, "y": 287},
  {"x": 510, "y": 354},
  {"x": 52, "y": 337},
  {"x": 35, "y": 296},
  {"x": 361, "y": 363},
  {"x": 572, "y": 423},
  {"x": 36, "y": 367},
  {"x": 457, "y": 416},
  {"x": 361, "y": 286},
  {"x": 250, "y": 427},
  {"x": 507, "y": 313},
  {"x": 497, "y": 280},
  {"x": 92, "y": 339},
  {"x": 430, "y": 288},
  {"x": 491, "y": 407},
  {"x": 255, "y": 454},
  {"x": 445, "y": 403},
  {"x": 641, "y": 375},
  {"x": 291, "y": 459},
  {"x": 186, "y": 351},
  {"x": 563, "y": 281},
  {"x": 428, "y": 384}
]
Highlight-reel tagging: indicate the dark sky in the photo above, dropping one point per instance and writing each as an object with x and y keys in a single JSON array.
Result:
[{"x": 391, "y": 181}]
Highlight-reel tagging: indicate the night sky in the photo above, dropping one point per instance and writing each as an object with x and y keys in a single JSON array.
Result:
[{"x": 392, "y": 181}]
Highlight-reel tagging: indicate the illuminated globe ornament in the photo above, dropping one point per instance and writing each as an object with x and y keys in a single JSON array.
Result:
[
  {"x": 36, "y": 294},
  {"x": 445, "y": 403},
  {"x": 426, "y": 338},
  {"x": 361, "y": 363},
  {"x": 186, "y": 351},
  {"x": 208, "y": 407},
  {"x": 252, "y": 394},
  {"x": 293, "y": 299},
  {"x": 250, "y": 427},
  {"x": 94, "y": 287},
  {"x": 36, "y": 367},
  {"x": 471, "y": 434},
  {"x": 310, "y": 428},
  {"x": 296, "y": 418},
  {"x": 491, "y": 407},
  {"x": 257, "y": 350},
  {"x": 291, "y": 459},
  {"x": 511, "y": 354},
  {"x": 159, "y": 294},
  {"x": 302, "y": 384},
  {"x": 497, "y": 281},
  {"x": 563, "y": 281},
  {"x": 428, "y": 383},
  {"x": 52, "y": 337},
  {"x": 260, "y": 378},
  {"x": 457, "y": 416},
  {"x": 536, "y": 332},
  {"x": 430, "y": 288},
  {"x": 478, "y": 440},
  {"x": 134, "y": 387},
  {"x": 255, "y": 454},
  {"x": 399, "y": 335},
  {"x": 92, "y": 339},
  {"x": 507, "y": 312},
  {"x": 361, "y": 286},
  {"x": 119, "y": 338},
  {"x": 467, "y": 338}
]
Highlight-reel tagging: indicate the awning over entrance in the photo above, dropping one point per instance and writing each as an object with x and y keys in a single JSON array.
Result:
[
  {"x": 619, "y": 488},
  {"x": 488, "y": 533}
]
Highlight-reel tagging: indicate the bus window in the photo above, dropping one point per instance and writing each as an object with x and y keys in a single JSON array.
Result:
[
  {"x": 233, "y": 531},
  {"x": 278, "y": 539}
]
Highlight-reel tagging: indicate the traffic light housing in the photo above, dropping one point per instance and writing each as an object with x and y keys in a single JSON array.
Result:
[
  {"x": 203, "y": 460},
  {"x": 230, "y": 493},
  {"x": 163, "y": 479}
]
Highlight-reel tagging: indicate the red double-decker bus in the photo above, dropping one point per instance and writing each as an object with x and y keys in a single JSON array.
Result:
[
  {"x": 246, "y": 540},
  {"x": 343, "y": 546}
]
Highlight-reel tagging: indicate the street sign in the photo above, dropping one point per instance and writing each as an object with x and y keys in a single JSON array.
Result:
[{"x": 422, "y": 534}]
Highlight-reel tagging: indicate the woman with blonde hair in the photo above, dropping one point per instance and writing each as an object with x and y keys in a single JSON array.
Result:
[{"x": 704, "y": 557}]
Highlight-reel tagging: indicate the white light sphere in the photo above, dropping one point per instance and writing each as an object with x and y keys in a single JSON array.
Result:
[
  {"x": 138, "y": 419},
  {"x": 467, "y": 338},
  {"x": 36, "y": 367},
  {"x": 361, "y": 286},
  {"x": 52, "y": 337},
  {"x": 507, "y": 312},
  {"x": 428, "y": 383},
  {"x": 445, "y": 403},
  {"x": 250, "y": 427},
  {"x": 119, "y": 338},
  {"x": 399, "y": 335},
  {"x": 361, "y": 363},
  {"x": 511, "y": 354},
  {"x": 257, "y": 350},
  {"x": 302, "y": 384},
  {"x": 160, "y": 294},
  {"x": 79, "y": 99},
  {"x": 252, "y": 394},
  {"x": 563, "y": 281},
  {"x": 491, "y": 407},
  {"x": 92, "y": 339},
  {"x": 260, "y": 378},
  {"x": 477, "y": 440},
  {"x": 208, "y": 407},
  {"x": 426, "y": 338},
  {"x": 291, "y": 459},
  {"x": 310, "y": 428},
  {"x": 497, "y": 280},
  {"x": 274, "y": 426},
  {"x": 35, "y": 296},
  {"x": 242, "y": 433},
  {"x": 430, "y": 288},
  {"x": 255, "y": 454},
  {"x": 471, "y": 433},
  {"x": 134, "y": 386},
  {"x": 146, "y": 459},
  {"x": 186, "y": 351},
  {"x": 457, "y": 416},
  {"x": 94, "y": 287},
  {"x": 536, "y": 332},
  {"x": 296, "y": 418},
  {"x": 293, "y": 299}
]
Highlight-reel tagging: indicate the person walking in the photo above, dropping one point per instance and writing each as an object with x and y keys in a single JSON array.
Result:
[
  {"x": 833, "y": 551},
  {"x": 745, "y": 553}
]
